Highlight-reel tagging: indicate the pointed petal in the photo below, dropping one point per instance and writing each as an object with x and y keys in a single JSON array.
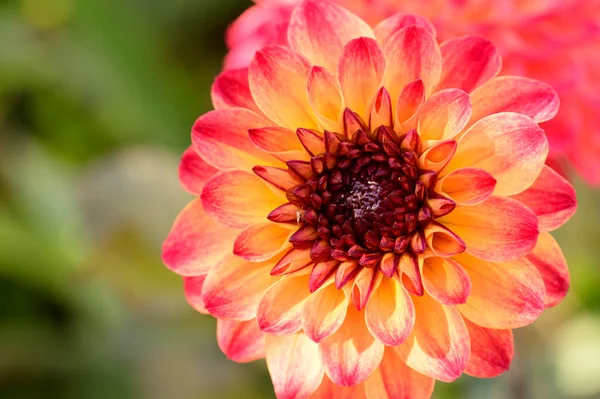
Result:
[
  {"x": 446, "y": 281},
  {"x": 197, "y": 242},
  {"x": 231, "y": 90},
  {"x": 241, "y": 341},
  {"x": 192, "y": 287},
  {"x": 280, "y": 311},
  {"x": 410, "y": 101},
  {"x": 503, "y": 295},
  {"x": 444, "y": 114},
  {"x": 365, "y": 283},
  {"x": 294, "y": 365},
  {"x": 324, "y": 312},
  {"x": 320, "y": 29},
  {"x": 442, "y": 241},
  {"x": 386, "y": 28},
  {"x": 329, "y": 390},
  {"x": 292, "y": 261},
  {"x": 548, "y": 258},
  {"x": 491, "y": 351},
  {"x": 468, "y": 186},
  {"x": 194, "y": 172},
  {"x": 325, "y": 97},
  {"x": 381, "y": 111},
  {"x": 436, "y": 157},
  {"x": 282, "y": 143},
  {"x": 411, "y": 274},
  {"x": 280, "y": 179},
  {"x": 259, "y": 242}
]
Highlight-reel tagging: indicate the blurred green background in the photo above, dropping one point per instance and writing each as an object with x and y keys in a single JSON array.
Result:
[{"x": 97, "y": 98}]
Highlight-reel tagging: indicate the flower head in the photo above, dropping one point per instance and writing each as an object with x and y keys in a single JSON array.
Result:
[
  {"x": 372, "y": 216},
  {"x": 552, "y": 41}
]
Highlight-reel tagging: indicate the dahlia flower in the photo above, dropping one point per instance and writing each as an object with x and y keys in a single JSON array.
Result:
[
  {"x": 371, "y": 215},
  {"x": 553, "y": 41}
]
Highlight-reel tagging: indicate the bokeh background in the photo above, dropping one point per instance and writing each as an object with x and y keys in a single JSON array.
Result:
[{"x": 97, "y": 98}]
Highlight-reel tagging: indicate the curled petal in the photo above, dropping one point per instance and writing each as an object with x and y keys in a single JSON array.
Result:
[
  {"x": 192, "y": 287},
  {"x": 294, "y": 365},
  {"x": 279, "y": 178},
  {"x": 259, "y": 242},
  {"x": 491, "y": 351},
  {"x": 442, "y": 241},
  {"x": 280, "y": 310},
  {"x": 503, "y": 295},
  {"x": 311, "y": 141},
  {"x": 468, "y": 62},
  {"x": 241, "y": 341},
  {"x": 231, "y": 90},
  {"x": 440, "y": 205},
  {"x": 321, "y": 273},
  {"x": 194, "y": 172},
  {"x": 411, "y": 274},
  {"x": 280, "y": 142},
  {"x": 365, "y": 283},
  {"x": 409, "y": 102},
  {"x": 499, "y": 229},
  {"x": 346, "y": 272},
  {"x": 468, "y": 186},
  {"x": 381, "y": 111},
  {"x": 286, "y": 213},
  {"x": 444, "y": 114},
  {"x": 446, "y": 281},
  {"x": 292, "y": 261},
  {"x": 320, "y": 29},
  {"x": 436, "y": 157},
  {"x": 324, "y": 312},
  {"x": 386, "y": 28},
  {"x": 325, "y": 97},
  {"x": 551, "y": 198}
]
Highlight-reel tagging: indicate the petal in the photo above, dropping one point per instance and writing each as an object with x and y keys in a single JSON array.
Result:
[
  {"x": 280, "y": 311},
  {"x": 498, "y": 229},
  {"x": 442, "y": 241},
  {"x": 468, "y": 62},
  {"x": 439, "y": 344},
  {"x": 231, "y": 90},
  {"x": 468, "y": 186},
  {"x": 329, "y": 390},
  {"x": 511, "y": 147},
  {"x": 234, "y": 288},
  {"x": 241, "y": 341},
  {"x": 324, "y": 312},
  {"x": 551, "y": 198},
  {"x": 278, "y": 84},
  {"x": 292, "y": 261},
  {"x": 280, "y": 179},
  {"x": 197, "y": 242},
  {"x": 320, "y": 29},
  {"x": 259, "y": 242},
  {"x": 227, "y": 194},
  {"x": 221, "y": 139},
  {"x": 294, "y": 364},
  {"x": 503, "y": 295},
  {"x": 548, "y": 258},
  {"x": 444, "y": 114},
  {"x": 325, "y": 97},
  {"x": 278, "y": 141},
  {"x": 412, "y": 53},
  {"x": 361, "y": 70},
  {"x": 386, "y": 28},
  {"x": 352, "y": 353},
  {"x": 390, "y": 314},
  {"x": 522, "y": 95},
  {"x": 446, "y": 281},
  {"x": 381, "y": 110},
  {"x": 436, "y": 157},
  {"x": 395, "y": 380},
  {"x": 491, "y": 351},
  {"x": 194, "y": 172},
  {"x": 192, "y": 287},
  {"x": 365, "y": 284},
  {"x": 410, "y": 102}
]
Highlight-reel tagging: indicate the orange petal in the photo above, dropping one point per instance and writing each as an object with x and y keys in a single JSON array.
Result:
[
  {"x": 352, "y": 353},
  {"x": 468, "y": 186},
  {"x": 412, "y": 53},
  {"x": 192, "y": 287},
  {"x": 442, "y": 241},
  {"x": 436, "y": 157},
  {"x": 395, "y": 380},
  {"x": 324, "y": 312},
  {"x": 411, "y": 275},
  {"x": 365, "y": 283},
  {"x": 525, "y": 96},
  {"x": 241, "y": 341},
  {"x": 280, "y": 142},
  {"x": 278, "y": 84},
  {"x": 491, "y": 351},
  {"x": 361, "y": 71},
  {"x": 503, "y": 295},
  {"x": 280, "y": 310},
  {"x": 320, "y": 29},
  {"x": 390, "y": 314},
  {"x": 548, "y": 258},
  {"x": 444, "y": 114},
  {"x": 446, "y": 281},
  {"x": 221, "y": 139},
  {"x": 194, "y": 172},
  {"x": 468, "y": 62},
  {"x": 499, "y": 229},
  {"x": 234, "y": 288},
  {"x": 294, "y": 364},
  {"x": 292, "y": 261},
  {"x": 439, "y": 344},
  {"x": 197, "y": 242},
  {"x": 386, "y": 28},
  {"x": 410, "y": 101},
  {"x": 227, "y": 195},
  {"x": 259, "y": 242},
  {"x": 329, "y": 390},
  {"x": 381, "y": 111},
  {"x": 231, "y": 90},
  {"x": 325, "y": 97},
  {"x": 279, "y": 178},
  {"x": 511, "y": 147},
  {"x": 551, "y": 198}
]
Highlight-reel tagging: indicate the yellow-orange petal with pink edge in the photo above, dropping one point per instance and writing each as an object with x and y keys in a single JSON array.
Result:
[
  {"x": 194, "y": 172},
  {"x": 280, "y": 142},
  {"x": 361, "y": 71},
  {"x": 498, "y": 229},
  {"x": 468, "y": 62},
  {"x": 231, "y": 90},
  {"x": 192, "y": 287},
  {"x": 439, "y": 344},
  {"x": 329, "y": 390},
  {"x": 548, "y": 258},
  {"x": 390, "y": 314},
  {"x": 386, "y": 28},
  {"x": 351, "y": 354},
  {"x": 221, "y": 139},
  {"x": 551, "y": 197},
  {"x": 294, "y": 365},
  {"x": 525, "y": 96},
  {"x": 259, "y": 242},
  {"x": 409, "y": 103},
  {"x": 325, "y": 97},
  {"x": 395, "y": 380},
  {"x": 320, "y": 29},
  {"x": 278, "y": 84},
  {"x": 181, "y": 252},
  {"x": 241, "y": 341},
  {"x": 468, "y": 186},
  {"x": 491, "y": 351},
  {"x": 280, "y": 310},
  {"x": 444, "y": 114},
  {"x": 503, "y": 294},
  {"x": 442, "y": 241},
  {"x": 510, "y": 146},
  {"x": 436, "y": 157},
  {"x": 227, "y": 194},
  {"x": 381, "y": 110},
  {"x": 446, "y": 281},
  {"x": 324, "y": 312},
  {"x": 233, "y": 289},
  {"x": 365, "y": 284}
]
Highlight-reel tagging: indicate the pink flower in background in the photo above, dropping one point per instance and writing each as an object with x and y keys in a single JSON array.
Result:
[{"x": 556, "y": 41}]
